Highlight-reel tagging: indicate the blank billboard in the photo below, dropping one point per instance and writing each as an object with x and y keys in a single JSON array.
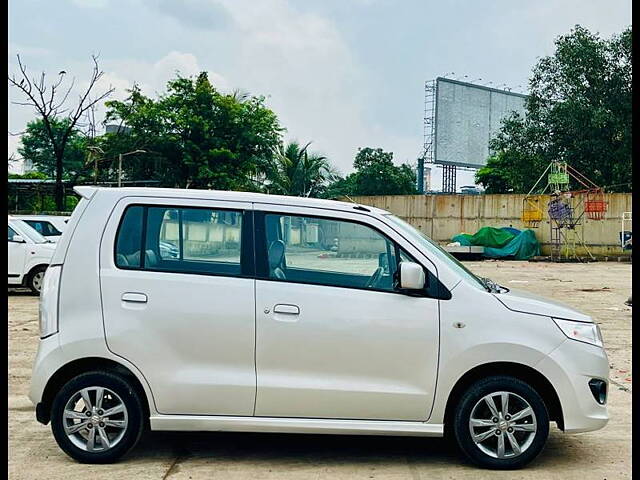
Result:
[{"x": 466, "y": 117}]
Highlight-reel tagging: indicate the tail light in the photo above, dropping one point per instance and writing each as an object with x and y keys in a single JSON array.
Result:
[{"x": 49, "y": 301}]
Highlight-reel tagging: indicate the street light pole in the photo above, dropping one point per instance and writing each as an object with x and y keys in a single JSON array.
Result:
[{"x": 120, "y": 156}]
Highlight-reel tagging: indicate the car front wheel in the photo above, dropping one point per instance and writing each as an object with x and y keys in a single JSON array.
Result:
[
  {"x": 35, "y": 279},
  {"x": 501, "y": 423}
]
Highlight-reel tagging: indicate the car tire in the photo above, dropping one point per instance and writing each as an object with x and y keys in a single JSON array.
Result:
[
  {"x": 35, "y": 278},
  {"x": 111, "y": 435},
  {"x": 493, "y": 438}
]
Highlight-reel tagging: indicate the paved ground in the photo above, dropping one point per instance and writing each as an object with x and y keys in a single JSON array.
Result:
[{"x": 598, "y": 289}]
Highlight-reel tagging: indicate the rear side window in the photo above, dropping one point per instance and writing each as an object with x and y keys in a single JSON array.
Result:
[
  {"x": 129, "y": 239},
  {"x": 184, "y": 240}
]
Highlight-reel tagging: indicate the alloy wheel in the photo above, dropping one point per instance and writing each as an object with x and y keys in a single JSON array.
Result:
[
  {"x": 502, "y": 425},
  {"x": 95, "y": 419}
]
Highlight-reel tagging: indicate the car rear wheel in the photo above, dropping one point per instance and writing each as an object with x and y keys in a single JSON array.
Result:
[
  {"x": 501, "y": 422},
  {"x": 97, "y": 417}
]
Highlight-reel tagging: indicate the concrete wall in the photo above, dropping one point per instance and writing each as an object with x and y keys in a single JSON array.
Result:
[{"x": 443, "y": 216}]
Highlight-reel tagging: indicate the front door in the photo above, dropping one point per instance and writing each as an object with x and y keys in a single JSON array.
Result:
[
  {"x": 335, "y": 338},
  {"x": 183, "y": 311},
  {"x": 17, "y": 252}
]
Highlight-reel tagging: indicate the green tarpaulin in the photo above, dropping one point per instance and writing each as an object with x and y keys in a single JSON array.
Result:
[
  {"x": 486, "y": 237},
  {"x": 502, "y": 242}
]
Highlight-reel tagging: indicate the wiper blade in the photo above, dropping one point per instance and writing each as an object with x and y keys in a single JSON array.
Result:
[{"x": 490, "y": 285}]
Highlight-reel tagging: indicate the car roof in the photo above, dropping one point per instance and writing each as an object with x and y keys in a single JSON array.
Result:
[{"x": 251, "y": 197}]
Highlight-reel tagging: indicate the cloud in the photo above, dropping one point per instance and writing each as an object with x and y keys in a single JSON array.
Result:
[
  {"x": 90, "y": 3},
  {"x": 303, "y": 64},
  {"x": 203, "y": 14},
  {"x": 26, "y": 51},
  {"x": 152, "y": 77}
]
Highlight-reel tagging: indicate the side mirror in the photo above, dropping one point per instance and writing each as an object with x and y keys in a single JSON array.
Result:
[
  {"x": 17, "y": 239},
  {"x": 411, "y": 276}
]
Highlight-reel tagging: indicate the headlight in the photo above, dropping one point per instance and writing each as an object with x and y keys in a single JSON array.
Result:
[
  {"x": 581, "y": 331},
  {"x": 49, "y": 301}
]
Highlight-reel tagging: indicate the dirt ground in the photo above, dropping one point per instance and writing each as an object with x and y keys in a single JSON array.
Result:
[{"x": 598, "y": 289}]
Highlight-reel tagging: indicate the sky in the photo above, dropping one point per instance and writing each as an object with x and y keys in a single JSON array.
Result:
[{"x": 342, "y": 74}]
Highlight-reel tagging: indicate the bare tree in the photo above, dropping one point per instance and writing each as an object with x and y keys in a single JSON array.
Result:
[{"x": 50, "y": 103}]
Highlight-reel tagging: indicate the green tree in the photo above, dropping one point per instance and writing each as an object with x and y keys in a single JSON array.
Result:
[
  {"x": 37, "y": 148},
  {"x": 195, "y": 135},
  {"x": 578, "y": 111},
  {"x": 375, "y": 174},
  {"x": 294, "y": 170}
]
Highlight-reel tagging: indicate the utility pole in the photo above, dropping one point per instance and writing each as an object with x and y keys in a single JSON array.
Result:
[
  {"x": 420, "y": 175},
  {"x": 119, "y": 170}
]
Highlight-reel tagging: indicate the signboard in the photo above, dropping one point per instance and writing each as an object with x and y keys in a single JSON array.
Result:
[{"x": 466, "y": 117}]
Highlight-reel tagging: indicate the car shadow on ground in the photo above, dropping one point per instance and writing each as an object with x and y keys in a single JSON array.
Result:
[
  {"x": 277, "y": 447},
  {"x": 20, "y": 292},
  {"x": 282, "y": 450}
]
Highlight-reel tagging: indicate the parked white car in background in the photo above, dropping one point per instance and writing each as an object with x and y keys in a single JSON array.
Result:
[
  {"x": 49, "y": 226},
  {"x": 283, "y": 314},
  {"x": 29, "y": 254}
]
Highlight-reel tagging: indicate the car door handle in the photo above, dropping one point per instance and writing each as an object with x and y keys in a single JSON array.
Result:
[
  {"x": 134, "y": 297},
  {"x": 288, "y": 309}
]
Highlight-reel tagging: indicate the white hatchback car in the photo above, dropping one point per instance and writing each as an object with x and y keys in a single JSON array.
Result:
[
  {"x": 281, "y": 314},
  {"x": 29, "y": 254}
]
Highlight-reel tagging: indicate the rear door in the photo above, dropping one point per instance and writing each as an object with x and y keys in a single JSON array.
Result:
[
  {"x": 335, "y": 338},
  {"x": 183, "y": 312}
]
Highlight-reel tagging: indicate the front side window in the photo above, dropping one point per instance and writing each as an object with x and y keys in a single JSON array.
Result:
[
  {"x": 329, "y": 252},
  {"x": 429, "y": 247},
  {"x": 185, "y": 240},
  {"x": 12, "y": 234}
]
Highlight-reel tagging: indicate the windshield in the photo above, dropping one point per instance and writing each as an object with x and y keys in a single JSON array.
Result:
[
  {"x": 29, "y": 232},
  {"x": 430, "y": 247}
]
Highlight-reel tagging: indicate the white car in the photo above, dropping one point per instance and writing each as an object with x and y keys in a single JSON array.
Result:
[
  {"x": 49, "y": 226},
  {"x": 29, "y": 254},
  {"x": 282, "y": 314}
]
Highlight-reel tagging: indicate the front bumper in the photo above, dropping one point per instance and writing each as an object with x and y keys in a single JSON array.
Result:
[{"x": 569, "y": 368}]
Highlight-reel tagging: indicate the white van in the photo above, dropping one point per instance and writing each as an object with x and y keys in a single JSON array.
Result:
[
  {"x": 283, "y": 314},
  {"x": 28, "y": 255}
]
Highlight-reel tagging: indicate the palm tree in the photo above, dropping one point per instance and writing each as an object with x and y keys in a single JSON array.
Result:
[{"x": 296, "y": 171}]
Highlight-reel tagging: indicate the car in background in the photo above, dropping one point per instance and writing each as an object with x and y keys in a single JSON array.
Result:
[
  {"x": 29, "y": 255},
  {"x": 168, "y": 249},
  {"x": 470, "y": 190},
  {"x": 49, "y": 226}
]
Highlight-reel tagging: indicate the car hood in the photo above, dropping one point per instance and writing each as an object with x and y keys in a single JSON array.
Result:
[
  {"x": 46, "y": 247},
  {"x": 525, "y": 302}
]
